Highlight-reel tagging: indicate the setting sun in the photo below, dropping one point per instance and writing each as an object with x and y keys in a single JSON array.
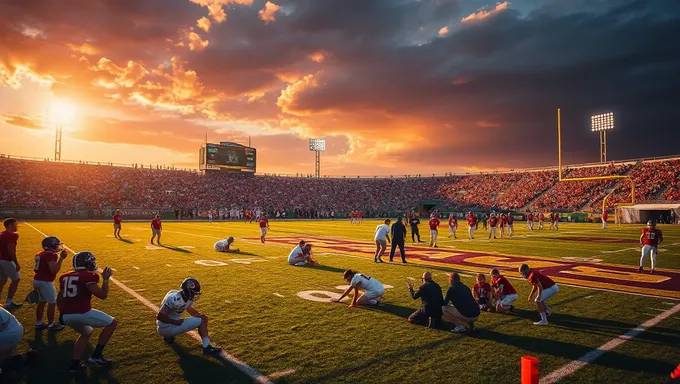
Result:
[{"x": 61, "y": 112}]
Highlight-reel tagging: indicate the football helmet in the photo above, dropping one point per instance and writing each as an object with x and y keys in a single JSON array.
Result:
[
  {"x": 84, "y": 261},
  {"x": 191, "y": 289},
  {"x": 51, "y": 243},
  {"x": 651, "y": 223},
  {"x": 524, "y": 270}
]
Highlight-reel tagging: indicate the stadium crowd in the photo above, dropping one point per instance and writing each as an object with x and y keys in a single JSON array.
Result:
[{"x": 37, "y": 184}]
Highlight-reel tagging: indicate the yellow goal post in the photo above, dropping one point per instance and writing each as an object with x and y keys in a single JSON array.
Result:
[{"x": 628, "y": 179}]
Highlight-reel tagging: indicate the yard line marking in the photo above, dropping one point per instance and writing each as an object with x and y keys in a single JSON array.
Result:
[
  {"x": 278, "y": 374},
  {"x": 241, "y": 366},
  {"x": 658, "y": 309},
  {"x": 622, "y": 250},
  {"x": 667, "y": 303},
  {"x": 140, "y": 290},
  {"x": 278, "y": 295},
  {"x": 593, "y": 355},
  {"x": 114, "y": 269},
  {"x": 227, "y": 301},
  {"x": 588, "y": 297},
  {"x": 168, "y": 265},
  {"x": 411, "y": 278},
  {"x": 648, "y": 314},
  {"x": 135, "y": 267}
]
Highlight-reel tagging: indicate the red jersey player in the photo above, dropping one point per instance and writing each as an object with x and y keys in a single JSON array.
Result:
[
  {"x": 75, "y": 305},
  {"x": 472, "y": 223},
  {"x": 493, "y": 223},
  {"x": 481, "y": 291},
  {"x": 510, "y": 221},
  {"x": 541, "y": 219},
  {"x": 47, "y": 265},
  {"x": 9, "y": 265},
  {"x": 502, "y": 222},
  {"x": 504, "y": 293},
  {"x": 650, "y": 240},
  {"x": 556, "y": 220},
  {"x": 530, "y": 221},
  {"x": 156, "y": 228},
  {"x": 605, "y": 216},
  {"x": 453, "y": 225},
  {"x": 117, "y": 220},
  {"x": 544, "y": 288},
  {"x": 434, "y": 224},
  {"x": 264, "y": 226}
]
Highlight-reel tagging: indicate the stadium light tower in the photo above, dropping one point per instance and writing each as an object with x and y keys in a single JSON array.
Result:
[
  {"x": 602, "y": 123},
  {"x": 61, "y": 113},
  {"x": 317, "y": 146}
]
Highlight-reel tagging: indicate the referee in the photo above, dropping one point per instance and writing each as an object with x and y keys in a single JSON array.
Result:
[{"x": 398, "y": 232}]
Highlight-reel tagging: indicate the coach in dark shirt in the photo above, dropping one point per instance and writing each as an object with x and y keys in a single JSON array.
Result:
[
  {"x": 414, "y": 221},
  {"x": 398, "y": 234},
  {"x": 431, "y": 295},
  {"x": 464, "y": 310}
]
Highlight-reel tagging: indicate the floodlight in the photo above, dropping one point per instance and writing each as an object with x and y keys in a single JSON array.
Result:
[
  {"x": 317, "y": 145},
  {"x": 602, "y": 122}
]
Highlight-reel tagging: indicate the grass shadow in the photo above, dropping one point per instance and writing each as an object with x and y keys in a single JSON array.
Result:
[
  {"x": 204, "y": 369},
  {"x": 125, "y": 240},
  {"x": 392, "y": 309},
  {"x": 327, "y": 268},
  {"x": 175, "y": 249}
]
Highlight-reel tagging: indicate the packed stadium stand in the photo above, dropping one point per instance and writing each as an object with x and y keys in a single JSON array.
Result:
[{"x": 45, "y": 184}]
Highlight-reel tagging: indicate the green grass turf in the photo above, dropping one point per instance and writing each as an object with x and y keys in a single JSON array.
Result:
[{"x": 328, "y": 342}]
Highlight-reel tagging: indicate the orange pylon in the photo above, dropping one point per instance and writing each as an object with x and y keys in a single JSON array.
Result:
[{"x": 529, "y": 370}]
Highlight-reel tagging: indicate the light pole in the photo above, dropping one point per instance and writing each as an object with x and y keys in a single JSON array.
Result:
[
  {"x": 57, "y": 144},
  {"x": 602, "y": 123},
  {"x": 317, "y": 146}
]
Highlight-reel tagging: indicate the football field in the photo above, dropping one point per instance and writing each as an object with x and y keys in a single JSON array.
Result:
[{"x": 275, "y": 321}]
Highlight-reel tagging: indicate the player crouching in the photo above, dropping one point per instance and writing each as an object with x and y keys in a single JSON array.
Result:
[
  {"x": 373, "y": 289},
  {"x": 169, "y": 322},
  {"x": 75, "y": 306},
  {"x": 225, "y": 246},
  {"x": 543, "y": 287},
  {"x": 302, "y": 255}
]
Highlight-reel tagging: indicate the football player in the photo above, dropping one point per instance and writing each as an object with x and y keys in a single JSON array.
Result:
[
  {"x": 481, "y": 291},
  {"x": 225, "y": 246},
  {"x": 264, "y": 227},
  {"x": 649, "y": 241},
  {"x": 472, "y": 225},
  {"x": 301, "y": 255},
  {"x": 493, "y": 222},
  {"x": 453, "y": 225},
  {"x": 169, "y": 322},
  {"x": 530, "y": 220},
  {"x": 47, "y": 265},
  {"x": 544, "y": 288},
  {"x": 510, "y": 220},
  {"x": 541, "y": 219},
  {"x": 434, "y": 224},
  {"x": 11, "y": 332},
  {"x": 372, "y": 288},
  {"x": 75, "y": 306},
  {"x": 504, "y": 293},
  {"x": 156, "y": 228},
  {"x": 9, "y": 265},
  {"x": 605, "y": 216},
  {"x": 117, "y": 220}
]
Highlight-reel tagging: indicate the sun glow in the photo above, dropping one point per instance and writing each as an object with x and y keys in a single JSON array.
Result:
[{"x": 62, "y": 112}]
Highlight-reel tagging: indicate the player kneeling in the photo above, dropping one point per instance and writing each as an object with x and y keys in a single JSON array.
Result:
[
  {"x": 302, "y": 255},
  {"x": 544, "y": 288},
  {"x": 373, "y": 289},
  {"x": 481, "y": 291},
  {"x": 225, "y": 246},
  {"x": 169, "y": 322},
  {"x": 504, "y": 292},
  {"x": 75, "y": 306}
]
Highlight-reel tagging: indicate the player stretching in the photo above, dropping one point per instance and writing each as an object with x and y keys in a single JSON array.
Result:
[
  {"x": 47, "y": 265},
  {"x": 117, "y": 220},
  {"x": 156, "y": 228},
  {"x": 75, "y": 306},
  {"x": 225, "y": 246},
  {"x": 373, "y": 289},
  {"x": 434, "y": 224},
  {"x": 650, "y": 240},
  {"x": 453, "y": 225},
  {"x": 169, "y": 322},
  {"x": 543, "y": 287},
  {"x": 503, "y": 292},
  {"x": 472, "y": 224},
  {"x": 264, "y": 227}
]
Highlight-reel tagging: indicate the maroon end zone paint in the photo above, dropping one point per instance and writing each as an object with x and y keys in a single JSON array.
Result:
[
  {"x": 598, "y": 240},
  {"x": 607, "y": 276}
]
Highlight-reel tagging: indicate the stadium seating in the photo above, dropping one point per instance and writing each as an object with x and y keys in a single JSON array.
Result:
[{"x": 38, "y": 184}]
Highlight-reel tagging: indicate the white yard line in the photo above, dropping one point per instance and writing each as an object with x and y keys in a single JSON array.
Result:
[
  {"x": 135, "y": 267},
  {"x": 593, "y": 355},
  {"x": 240, "y": 365},
  {"x": 622, "y": 250},
  {"x": 278, "y": 294}
]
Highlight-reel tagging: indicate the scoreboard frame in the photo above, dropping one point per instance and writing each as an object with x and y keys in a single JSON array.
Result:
[{"x": 228, "y": 157}]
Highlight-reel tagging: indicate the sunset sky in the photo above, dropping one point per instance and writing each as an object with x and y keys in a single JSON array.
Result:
[{"x": 395, "y": 86}]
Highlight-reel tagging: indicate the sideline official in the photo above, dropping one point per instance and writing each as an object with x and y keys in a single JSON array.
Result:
[
  {"x": 398, "y": 233},
  {"x": 415, "y": 221}
]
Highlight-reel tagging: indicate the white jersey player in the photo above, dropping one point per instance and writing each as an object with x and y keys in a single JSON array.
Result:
[
  {"x": 169, "y": 321},
  {"x": 372, "y": 288},
  {"x": 11, "y": 332},
  {"x": 225, "y": 246}
]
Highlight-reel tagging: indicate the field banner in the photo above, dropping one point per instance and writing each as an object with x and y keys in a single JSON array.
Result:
[{"x": 614, "y": 277}]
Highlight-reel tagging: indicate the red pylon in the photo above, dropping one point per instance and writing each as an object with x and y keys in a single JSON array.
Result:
[{"x": 529, "y": 370}]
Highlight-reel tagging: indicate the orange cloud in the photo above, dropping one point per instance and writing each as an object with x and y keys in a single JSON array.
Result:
[
  {"x": 287, "y": 98},
  {"x": 216, "y": 7},
  {"x": 204, "y": 23},
  {"x": 317, "y": 57},
  {"x": 125, "y": 77},
  {"x": 21, "y": 121},
  {"x": 195, "y": 42},
  {"x": 483, "y": 13},
  {"x": 443, "y": 31},
  {"x": 267, "y": 13},
  {"x": 84, "y": 48}
]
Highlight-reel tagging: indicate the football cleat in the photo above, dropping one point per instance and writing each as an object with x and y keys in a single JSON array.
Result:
[
  {"x": 459, "y": 329},
  {"x": 55, "y": 327},
  {"x": 542, "y": 322},
  {"x": 640, "y": 270},
  {"x": 13, "y": 305},
  {"x": 99, "y": 361},
  {"x": 210, "y": 350}
]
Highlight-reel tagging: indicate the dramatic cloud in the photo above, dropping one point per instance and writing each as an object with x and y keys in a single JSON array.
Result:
[
  {"x": 443, "y": 31},
  {"x": 204, "y": 24},
  {"x": 483, "y": 13},
  {"x": 21, "y": 121},
  {"x": 267, "y": 13}
]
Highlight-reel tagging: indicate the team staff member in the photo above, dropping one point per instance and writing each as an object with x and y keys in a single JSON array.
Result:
[
  {"x": 9, "y": 265},
  {"x": 398, "y": 232},
  {"x": 47, "y": 265},
  {"x": 464, "y": 310},
  {"x": 75, "y": 306},
  {"x": 263, "y": 222},
  {"x": 381, "y": 238},
  {"x": 650, "y": 240},
  {"x": 156, "y": 228},
  {"x": 414, "y": 222},
  {"x": 544, "y": 288},
  {"x": 117, "y": 220},
  {"x": 434, "y": 225},
  {"x": 431, "y": 295}
]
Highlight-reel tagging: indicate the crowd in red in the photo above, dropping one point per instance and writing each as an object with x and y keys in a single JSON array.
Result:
[{"x": 36, "y": 184}]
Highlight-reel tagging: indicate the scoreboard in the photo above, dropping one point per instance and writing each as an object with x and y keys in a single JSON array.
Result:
[{"x": 227, "y": 156}]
